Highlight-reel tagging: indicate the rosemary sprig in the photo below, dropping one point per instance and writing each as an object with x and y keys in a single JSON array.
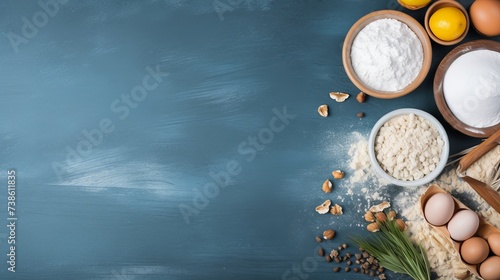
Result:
[{"x": 396, "y": 252}]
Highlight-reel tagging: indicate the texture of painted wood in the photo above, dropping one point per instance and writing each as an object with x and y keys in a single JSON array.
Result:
[{"x": 179, "y": 139}]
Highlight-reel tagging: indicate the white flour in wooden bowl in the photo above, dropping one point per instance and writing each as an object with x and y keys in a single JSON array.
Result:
[
  {"x": 387, "y": 55},
  {"x": 471, "y": 88}
]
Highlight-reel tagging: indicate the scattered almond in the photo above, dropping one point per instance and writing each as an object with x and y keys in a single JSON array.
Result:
[
  {"x": 327, "y": 186},
  {"x": 361, "y": 97},
  {"x": 336, "y": 210},
  {"x": 337, "y": 174},
  {"x": 369, "y": 216},
  {"x": 373, "y": 227},
  {"x": 380, "y": 207},
  {"x": 401, "y": 224},
  {"x": 381, "y": 217},
  {"x": 391, "y": 215},
  {"x": 328, "y": 234},
  {"x": 323, "y": 110},
  {"x": 339, "y": 96},
  {"x": 324, "y": 207}
]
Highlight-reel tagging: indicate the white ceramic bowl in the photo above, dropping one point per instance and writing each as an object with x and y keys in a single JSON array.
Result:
[{"x": 429, "y": 177}]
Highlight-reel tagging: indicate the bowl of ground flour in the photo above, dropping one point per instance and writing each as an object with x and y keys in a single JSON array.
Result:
[
  {"x": 467, "y": 88},
  {"x": 387, "y": 54},
  {"x": 408, "y": 147}
]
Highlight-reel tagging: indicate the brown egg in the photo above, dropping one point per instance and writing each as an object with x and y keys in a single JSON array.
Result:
[
  {"x": 474, "y": 250},
  {"x": 485, "y": 16},
  {"x": 489, "y": 269},
  {"x": 494, "y": 242}
]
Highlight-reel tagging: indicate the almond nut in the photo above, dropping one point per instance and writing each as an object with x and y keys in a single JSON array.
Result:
[
  {"x": 391, "y": 215},
  {"x": 381, "y": 217},
  {"x": 361, "y": 97},
  {"x": 324, "y": 207},
  {"x": 400, "y": 224},
  {"x": 328, "y": 234},
  {"x": 336, "y": 210},
  {"x": 327, "y": 186},
  {"x": 337, "y": 174},
  {"x": 373, "y": 227},
  {"x": 339, "y": 96},
  {"x": 380, "y": 207},
  {"x": 369, "y": 216},
  {"x": 323, "y": 110}
]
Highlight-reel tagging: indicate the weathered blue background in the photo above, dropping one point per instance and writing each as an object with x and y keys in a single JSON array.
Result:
[{"x": 114, "y": 211}]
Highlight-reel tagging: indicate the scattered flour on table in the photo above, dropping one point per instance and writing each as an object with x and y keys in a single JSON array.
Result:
[
  {"x": 363, "y": 182},
  {"x": 443, "y": 261}
]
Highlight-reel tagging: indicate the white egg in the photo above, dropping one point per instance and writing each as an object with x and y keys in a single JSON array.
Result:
[
  {"x": 463, "y": 225},
  {"x": 439, "y": 209}
]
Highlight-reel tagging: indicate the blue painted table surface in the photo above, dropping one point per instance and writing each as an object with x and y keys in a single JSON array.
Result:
[{"x": 180, "y": 139}]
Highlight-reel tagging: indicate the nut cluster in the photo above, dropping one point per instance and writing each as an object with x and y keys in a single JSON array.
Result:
[
  {"x": 340, "y": 97},
  {"x": 359, "y": 262},
  {"x": 377, "y": 218}
]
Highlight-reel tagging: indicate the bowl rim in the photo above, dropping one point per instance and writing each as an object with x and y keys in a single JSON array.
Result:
[
  {"x": 444, "y": 153},
  {"x": 439, "y": 76},
  {"x": 414, "y": 25},
  {"x": 446, "y": 3}
]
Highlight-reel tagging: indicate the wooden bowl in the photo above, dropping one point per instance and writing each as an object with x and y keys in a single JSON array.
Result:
[
  {"x": 413, "y": 25},
  {"x": 485, "y": 229},
  {"x": 413, "y": 7},
  {"x": 439, "y": 92},
  {"x": 442, "y": 4}
]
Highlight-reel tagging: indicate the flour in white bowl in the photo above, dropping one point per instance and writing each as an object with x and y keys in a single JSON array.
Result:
[
  {"x": 471, "y": 88},
  {"x": 387, "y": 55}
]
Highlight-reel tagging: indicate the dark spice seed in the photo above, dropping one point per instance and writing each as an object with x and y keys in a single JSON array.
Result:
[
  {"x": 349, "y": 262},
  {"x": 372, "y": 274},
  {"x": 344, "y": 258},
  {"x": 321, "y": 252},
  {"x": 318, "y": 239},
  {"x": 355, "y": 269},
  {"x": 358, "y": 256},
  {"x": 357, "y": 262},
  {"x": 328, "y": 258},
  {"x": 337, "y": 260},
  {"x": 347, "y": 269},
  {"x": 336, "y": 269},
  {"x": 381, "y": 269},
  {"x": 340, "y": 248},
  {"x": 360, "y": 115},
  {"x": 348, "y": 255},
  {"x": 365, "y": 255},
  {"x": 344, "y": 245}
]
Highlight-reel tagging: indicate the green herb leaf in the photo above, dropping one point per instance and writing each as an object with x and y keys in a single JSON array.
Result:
[{"x": 395, "y": 251}]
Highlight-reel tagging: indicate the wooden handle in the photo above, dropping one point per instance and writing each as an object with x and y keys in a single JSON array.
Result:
[
  {"x": 479, "y": 151},
  {"x": 486, "y": 192}
]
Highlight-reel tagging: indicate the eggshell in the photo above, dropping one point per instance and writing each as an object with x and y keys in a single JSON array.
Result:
[
  {"x": 463, "y": 225},
  {"x": 474, "y": 250},
  {"x": 439, "y": 209},
  {"x": 490, "y": 268},
  {"x": 494, "y": 242},
  {"x": 485, "y": 16}
]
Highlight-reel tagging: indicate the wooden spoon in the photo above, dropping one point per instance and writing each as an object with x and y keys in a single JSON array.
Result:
[{"x": 491, "y": 196}]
